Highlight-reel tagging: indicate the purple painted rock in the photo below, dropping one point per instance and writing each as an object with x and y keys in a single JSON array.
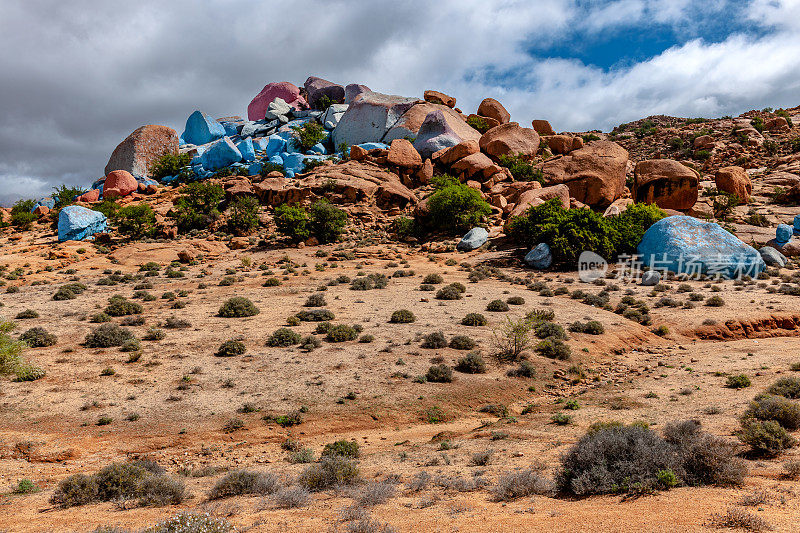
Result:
[
  {"x": 316, "y": 88},
  {"x": 353, "y": 90}
]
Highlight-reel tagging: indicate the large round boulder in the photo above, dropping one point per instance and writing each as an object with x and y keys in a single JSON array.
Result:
[
  {"x": 666, "y": 183},
  {"x": 595, "y": 174},
  {"x": 76, "y": 223},
  {"x": 510, "y": 139},
  {"x": 369, "y": 117},
  {"x": 734, "y": 180},
  {"x": 686, "y": 245},
  {"x": 287, "y": 91},
  {"x": 119, "y": 183},
  {"x": 317, "y": 88},
  {"x": 491, "y": 108},
  {"x": 142, "y": 148}
]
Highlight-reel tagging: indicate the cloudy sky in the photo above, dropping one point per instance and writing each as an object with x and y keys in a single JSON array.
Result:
[{"x": 79, "y": 76}]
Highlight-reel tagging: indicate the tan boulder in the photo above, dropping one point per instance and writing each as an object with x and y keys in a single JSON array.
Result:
[
  {"x": 357, "y": 153},
  {"x": 409, "y": 123},
  {"x": 239, "y": 243},
  {"x": 425, "y": 172},
  {"x": 734, "y": 180},
  {"x": 353, "y": 181},
  {"x": 435, "y": 97},
  {"x": 137, "y": 153},
  {"x": 448, "y": 156},
  {"x": 666, "y": 183},
  {"x": 777, "y": 125},
  {"x": 577, "y": 143},
  {"x": 403, "y": 154},
  {"x": 560, "y": 144},
  {"x": 534, "y": 197},
  {"x": 595, "y": 174},
  {"x": 472, "y": 164},
  {"x": 542, "y": 127},
  {"x": 617, "y": 207},
  {"x": 704, "y": 142},
  {"x": 510, "y": 139},
  {"x": 90, "y": 196},
  {"x": 493, "y": 109}
]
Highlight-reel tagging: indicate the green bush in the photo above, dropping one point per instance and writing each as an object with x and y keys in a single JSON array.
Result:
[
  {"x": 118, "y": 480},
  {"x": 106, "y": 336},
  {"x": 38, "y": 337},
  {"x": 497, "y": 306},
  {"x": 521, "y": 169},
  {"x": 787, "y": 387},
  {"x": 331, "y": 471},
  {"x": 69, "y": 291},
  {"x": 765, "y": 436},
  {"x": 169, "y": 165},
  {"x": 198, "y": 208},
  {"x": 554, "y": 349},
  {"x": 243, "y": 215},
  {"x": 239, "y": 482},
  {"x": 65, "y": 196},
  {"x": 341, "y": 448},
  {"x": 135, "y": 221},
  {"x": 326, "y": 221},
  {"x": 592, "y": 327},
  {"x": 402, "y": 316},
  {"x": 77, "y": 489},
  {"x": 119, "y": 306},
  {"x": 369, "y": 282},
  {"x": 474, "y": 319},
  {"x": 26, "y": 314},
  {"x": 782, "y": 410},
  {"x": 448, "y": 292},
  {"x": 316, "y": 315},
  {"x": 455, "y": 207},
  {"x": 549, "y": 330},
  {"x": 462, "y": 342},
  {"x": 308, "y": 134},
  {"x": 472, "y": 363},
  {"x": 569, "y": 232},
  {"x": 433, "y": 279},
  {"x": 341, "y": 333},
  {"x": 739, "y": 381},
  {"x": 21, "y": 216},
  {"x": 439, "y": 374},
  {"x": 238, "y": 307},
  {"x": 231, "y": 348},
  {"x": 292, "y": 221},
  {"x": 284, "y": 337},
  {"x": 434, "y": 340},
  {"x": 478, "y": 123},
  {"x": 160, "y": 490},
  {"x": 267, "y": 167}
]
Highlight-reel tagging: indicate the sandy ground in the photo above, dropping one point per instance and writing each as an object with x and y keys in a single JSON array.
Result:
[{"x": 184, "y": 394}]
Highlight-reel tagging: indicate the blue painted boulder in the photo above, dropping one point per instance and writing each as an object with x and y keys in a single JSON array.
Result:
[
  {"x": 539, "y": 257},
  {"x": 797, "y": 225},
  {"x": 686, "y": 245},
  {"x": 475, "y": 238},
  {"x": 49, "y": 202},
  {"x": 373, "y": 146},
  {"x": 202, "y": 129},
  {"x": 221, "y": 154},
  {"x": 783, "y": 233},
  {"x": 76, "y": 223},
  {"x": 247, "y": 150}
]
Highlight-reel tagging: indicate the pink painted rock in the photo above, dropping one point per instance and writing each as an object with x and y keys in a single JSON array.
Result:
[
  {"x": 288, "y": 91},
  {"x": 119, "y": 183},
  {"x": 91, "y": 196}
]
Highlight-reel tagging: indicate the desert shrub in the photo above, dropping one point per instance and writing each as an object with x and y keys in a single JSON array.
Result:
[
  {"x": 554, "y": 349},
  {"x": 569, "y": 232},
  {"x": 497, "y": 306},
  {"x": 439, "y": 374},
  {"x": 343, "y": 448},
  {"x": 65, "y": 196},
  {"x": 472, "y": 363},
  {"x": 402, "y": 316},
  {"x": 786, "y": 387},
  {"x": 433, "y": 279},
  {"x": 38, "y": 337},
  {"x": 331, "y": 471},
  {"x": 768, "y": 407},
  {"x": 283, "y": 337},
  {"x": 765, "y": 437},
  {"x": 198, "y": 207},
  {"x": 455, "y": 207},
  {"x": 369, "y": 282},
  {"x": 512, "y": 337},
  {"x": 521, "y": 484},
  {"x": 118, "y": 480},
  {"x": 69, "y": 291},
  {"x": 21, "y": 216},
  {"x": 315, "y": 300},
  {"x": 176, "y": 323},
  {"x": 341, "y": 333},
  {"x": 25, "y": 486},
  {"x": 515, "y": 300},
  {"x": 238, "y": 307},
  {"x": 592, "y": 327},
  {"x": 705, "y": 459},
  {"x": 231, "y": 348},
  {"x": 106, "y": 336},
  {"x": 169, "y": 165},
  {"x": 525, "y": 369},
  {"x": 316, "y": 315},
  {"x": 119, "y": 306},
  {"x": 154, "y": 334},
  {"x": 26, "y": 314},
  {"x": 308, "y": 134},
  {"x": 521, "y": 169},
  {"x": 135, "y": 221},
  {"x": 374, "y": 493},
  {"x": 478, "y": 123},
  {"x": 77, "y": 489},
  {"x": 737, "y": 518},
  {"x": 434, "y": 340},
  {"x": 549, "y": 330},
  {"x": 131, "y": 345},
  {"x": 292, "y": 221},
  {"x": 272, "y": 282},
  {"x": 290, "y": 497},
  {"x": 474, "y": 319},
  {"x": 243, "y": 215},
  {"x": 462, "y": 342},
  {"x": 739, "y": 381},
  {"x": 715, "y": 301},
  {"x": 448, "y": 292},
  {"x": 239, "y": 482},
  {"x": 326, "y": 221},
  {"x": 160, "y": 490}
]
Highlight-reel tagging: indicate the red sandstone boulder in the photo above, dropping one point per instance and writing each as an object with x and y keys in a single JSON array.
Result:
[
  {"x": 510, "y": 139},
  {"x": 448, "y": 156},
  {"x": 560, "y": 144},
  {"x": 403, "y": 154},
  {"x": 435, "y": 97},
  {"x": 533, "y": 197},
  {"x": 91, "y": 196},
  {"x": 666, "y": 183},
  {"x": 493, "y": 109},
  {"x": 595, "y": 174},
  {"x": 734, "y": 180},
  {"x": 542, "y": 127}
]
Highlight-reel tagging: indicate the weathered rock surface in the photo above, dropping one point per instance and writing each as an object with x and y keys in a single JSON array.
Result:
[
  {"x": 142, "y": 148},
  {"x": 666, "y": 183},
  {"x": 595, "y": 174}
]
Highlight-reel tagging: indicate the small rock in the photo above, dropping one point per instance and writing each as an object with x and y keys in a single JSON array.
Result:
[
  {"x": 772, "y": 257},
  {"x": 475, "y": 238},
  {"x": 539, "y": 257},
  {"x": 651, "y": 278}
]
